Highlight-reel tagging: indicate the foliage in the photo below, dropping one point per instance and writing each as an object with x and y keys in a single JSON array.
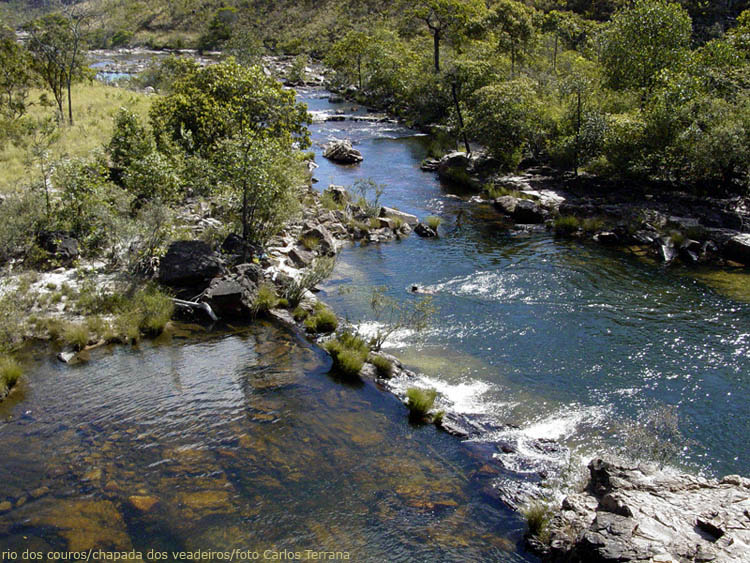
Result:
[
  {"x": 349, "y": 353},
  {"x": 367, "y": 194},
  {"x": 391, "y": 315},
  {"x": 420, "y": 402},
  {"x": 15, "y": 77},
  {"x": 382, "y": 364},
  {"x": 538, "y": 515},
  {"x": 130, "y": 142},
  {"x": 297, "y": 73},
  {"x": 433, "y": 222},
  {"x": 153, "y": 177},
  {"x": 219, "y": 30},
  {"x": 10, "y": 372},
  {"x": 76, "y": 335},
  {"x": 323, "y": 320},
  {"x": 153, "y": 308},
  {"x": 319, "y": 270},
  {"x": 265, "y": 300}
]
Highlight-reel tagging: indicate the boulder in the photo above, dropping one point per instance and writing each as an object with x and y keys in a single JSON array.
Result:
[
  {"x": 342, "y": 152},
  {"x": 454, "y": 167},
  {"x": 406, "y": 218},
  {"x": 235, "y": 245},
  {"x": 737, "y": 248},
  {"x": 300, "y": 258},
  {"x": 528, "y": 212},
  {"x": 189, "y": 263},
  {"x": 606, "y": 237},
  {"x": 61, "y": 246},
  {"x": 338, "y": 193},
  {"x": 425, "y": 231},
  {"x": 327, "y": 243},
  {"x": 231, "y": 296},
  {"x": 506, "y": 204}
]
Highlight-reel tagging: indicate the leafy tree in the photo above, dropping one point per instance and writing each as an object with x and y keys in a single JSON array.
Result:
[
  {"x": 15, "y": 76},
  {"x": 512, "y": 24},
  {"x": 644, "y": 39},
  {"x": 219, "y": 30},
  {"x": 56, "y": 42},
  {"x": 444, "y": 18},
  {"x": 130, "y": 142},
  {"x": 213, "y": 103},
  {"x": 346, "y": 55}
]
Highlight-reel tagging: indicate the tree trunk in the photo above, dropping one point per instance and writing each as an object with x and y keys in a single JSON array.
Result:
[
  {"x": 70, "y": 104},
  {"x": 554, "y": 56},
  {"x": 436, "y": 43},
  {"x": 359, "y": 71},
  {"x": 578, "y": 134},
  {"x": 460, "y": 118}
]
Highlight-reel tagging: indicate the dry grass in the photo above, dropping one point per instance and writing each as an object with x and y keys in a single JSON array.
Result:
[{"x": 94, "y": 106}]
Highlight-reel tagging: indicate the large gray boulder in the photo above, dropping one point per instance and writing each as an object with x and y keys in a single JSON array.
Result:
[
  {"x": 231, "y": 296},
  {"x": 189, "y": 263},
  {"x": 342, "y": 152},
  {"x": 406, "y": 218},
  {"x": 737, "y": 248}
]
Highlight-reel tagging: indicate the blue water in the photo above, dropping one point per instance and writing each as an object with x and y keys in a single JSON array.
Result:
[{"x": 566, "y": 340}]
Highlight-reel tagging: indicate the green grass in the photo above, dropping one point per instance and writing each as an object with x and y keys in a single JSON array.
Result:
[
  {"x": 94, "y": 106},
  {"x": 349, "y": 353},
  {"x": 300, "y": 314},
  {"x": 310, "y": 242},
  {"x": 420, "y": 402},
  {"x": 593, "y": 224},
  {"x": 76, "y": 335},
  {"x": 383, "y": 365},
  {"x": 493, "y": 191},
  {"x": 265, "y": 300},
  {"x": 329, "y": 202},
  {"x": 433, "y": 222},
  {"x": 323, "y": 321},
  {"x": 10, "y": 373},
  {"x": 538, "y": 516},
  {"x": 567, "y": 224},
  {"x": 154, "y": 310}
]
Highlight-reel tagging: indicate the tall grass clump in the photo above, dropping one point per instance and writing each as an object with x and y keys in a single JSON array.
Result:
[
  {"x": 154, "y": 310},
  {"x": 265, "y": 300},
  {"x": 383, "y": 365},
  {"x": 538, "y": 516},
  {"x": 349, "y": 353},
  {"x": 420, "y": 402},
  {"x": 567, "y": 225},
  {"x": 433, "y": 222},
  {"x": 322, "y": 321},
  {"x": 76, "y": 335},
  {"x": 10, "y": 373}
]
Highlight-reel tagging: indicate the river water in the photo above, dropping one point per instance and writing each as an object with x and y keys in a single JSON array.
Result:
[{"x": 240, "y": 438}]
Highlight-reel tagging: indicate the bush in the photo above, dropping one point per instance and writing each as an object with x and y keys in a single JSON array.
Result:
[
  {"x": 323, "y": 321},
  {"x": 420, "y": 402},
  {"x": 367, "y": 194},
  {"x": 154, "y": 310},
  {"x": 349, "y": 353},
  {"x": 310, "y": 242},
  {"x": 319, "y": 270},
  {"x": 300, "y": 314},
  {"x": 10, "y": 373},
  {"x": 383, "y": 365},
  {"x": 567, "y": 224},
  {"x": 265, "y": 300}
]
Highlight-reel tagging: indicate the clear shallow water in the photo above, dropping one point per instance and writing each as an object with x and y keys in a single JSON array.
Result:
[
  {"x": 235, "y": 440},
  {"x": 564, "y": 339}
]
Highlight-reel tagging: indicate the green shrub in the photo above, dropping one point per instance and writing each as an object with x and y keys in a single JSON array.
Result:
[
  {"x": 349, "y": 353},
  {"x": 329, "y": 202},
  {"x": 383, "y": 365},
  {"x": 126, "y": 329},
  {"x": 10, "y": 373},
  {"x": 300, "y": 314},
  {"x": 433, "y": 222},
  {"x": 265, "y": 300},
  {"x": 154, "y": 310},
  {"x": 324, "y": 320},
  {"x": 420, "y": 401},
  {"x": 76, "y": 335},
  {"x": 319, "y": 270}
]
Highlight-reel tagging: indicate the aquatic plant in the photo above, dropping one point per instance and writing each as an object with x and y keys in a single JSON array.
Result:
[
  {"x": 433, "y": 222},
  {"x": 349, "y": 353},
  {"x": 420, "y": 402},
  {"x": 324, "y": 320},
  {"x": 383, "y": 365}
]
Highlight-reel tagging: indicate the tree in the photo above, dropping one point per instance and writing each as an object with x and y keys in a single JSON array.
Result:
[
  {"x": 512, "y": 24},
  {"x": 15, "y": 77},
  {"x": 57, "y": 46},
  {"x": 642, "y": 40},
  {"x": 347, "y": 53},
  {"x": 219, "y": 30},
  {"x": 445, "y": 17},
  {"x": 213, "y": 103}
]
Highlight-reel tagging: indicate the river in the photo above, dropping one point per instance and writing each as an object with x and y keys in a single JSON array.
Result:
[{"x": 241, "y": 439}]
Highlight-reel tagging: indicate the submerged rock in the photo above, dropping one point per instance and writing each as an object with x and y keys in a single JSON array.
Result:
[{"x": 640, "y": 514}]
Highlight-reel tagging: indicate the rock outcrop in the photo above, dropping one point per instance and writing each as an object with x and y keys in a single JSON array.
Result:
[
  {"x": 189, "y": 263},
  {"x": 342, "y": 152},
  {"x": 640, "y": 514}
]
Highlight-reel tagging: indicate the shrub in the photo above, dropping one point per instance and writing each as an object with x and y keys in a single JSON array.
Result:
[
  {"x": 154, "y": 310},
  {"x": 328, "y": 202},
  {"x": 592, "y": 224},
  {"x": 10, "y": 373},
  {"x": 349, "y": 353},
  {"x": 300, "y": 314},
  {"x": 324, "y": 320},
  {"x": 433, "y": 222},
  {"x": 420, "y": 401},
  {"x": 319, "y": 270},
  {"x": 76, "y": 335},
  {"x": 310, "y": 242},
  {"x": 367, "y": 194},
  {"x": 265, "y": 300},
  {"x": 383, "y": 365},
  {"x": 538, "y": 516}
]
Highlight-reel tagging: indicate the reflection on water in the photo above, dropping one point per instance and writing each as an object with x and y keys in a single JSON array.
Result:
[{"x": 233, "y": 441}]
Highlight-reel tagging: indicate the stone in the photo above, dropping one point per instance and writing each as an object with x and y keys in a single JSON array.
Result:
[
  {"x": 506, "y": 204},
  {"x": 231, "y": 296},
  {"x": 327, "y": 243},
  {"x": 606, "y": 237},
  {"x": 59, "y": 245},
  {"x": 235, "y": 245},
  {"x": 143, "y": 503},
  {"x": 424, "y": 231},
  {"x": 406, "y": 218},
  {"x": 189, "y": 263},
  {"x": 453, "y": 164},
  {"x": 528, "y": 212},
  {"x": 737, "y": 248},
  {"x": 300, "y": 258},
  {"x": 342, "y": 152}
]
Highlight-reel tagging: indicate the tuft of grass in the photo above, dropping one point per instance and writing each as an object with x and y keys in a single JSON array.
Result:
[
  {"x": 349, "y": 353},
  {"x": 126, "y": 329},
  {"x": 397, "y": 223},
  {"x": 495, "y": 191},
  {"x": 323, "y": 321},
  {"x": 538, "y": 516},
  {"x": 310, "y": 242},
  {"x": 300, "y": 314},
  {"x": 374, "y": 223},
  {"x": 265, "y": 300},
  {"x": 420, "y": 402},
  {"x": 329, "y": 202},
  {"x": 433, "y": 222},
  {"x": 592, "y": 224},
  {"x": 76, "y": 335},
  {"x": 10, "y": 373},
  {"x": 154, "y": 310},
  {"x": 383, "y": 365},
  {"x": 567, "y": 224},
  {"x": 677, "y": 237}
]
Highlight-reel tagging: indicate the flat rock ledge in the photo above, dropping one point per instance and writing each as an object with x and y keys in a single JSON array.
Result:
[{"x": 641, "y": 514}]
